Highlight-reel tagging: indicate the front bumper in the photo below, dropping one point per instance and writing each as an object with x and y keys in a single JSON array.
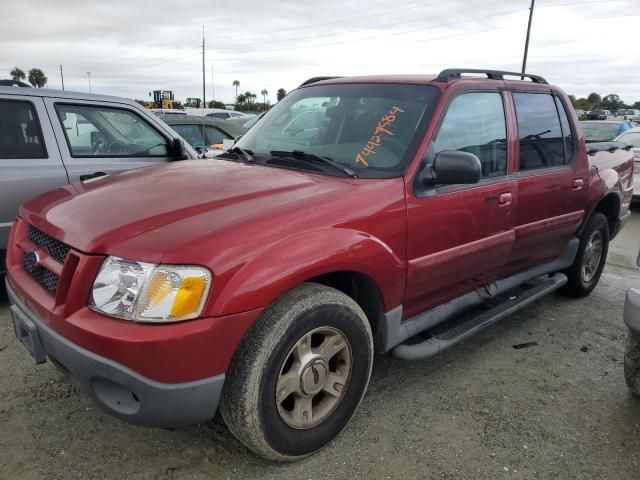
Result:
[
  {"x": 632, "y": 310},
  {"x": 117, "y": 389}
]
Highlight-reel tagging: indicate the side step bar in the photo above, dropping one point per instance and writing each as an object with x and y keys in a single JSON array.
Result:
[{"x": 451, "y": 332}]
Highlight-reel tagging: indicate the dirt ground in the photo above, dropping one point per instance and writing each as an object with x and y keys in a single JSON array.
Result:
[{"x": 558, "y": 410}]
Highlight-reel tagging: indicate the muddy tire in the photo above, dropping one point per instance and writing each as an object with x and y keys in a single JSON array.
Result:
[
  {"x": 584, "y": 274},
  {"x": 300, "y": 373},
  {"x": 632, "y": 363}
]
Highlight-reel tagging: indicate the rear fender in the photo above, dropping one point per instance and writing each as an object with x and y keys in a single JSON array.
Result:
[{"x": 295, "y": 259}]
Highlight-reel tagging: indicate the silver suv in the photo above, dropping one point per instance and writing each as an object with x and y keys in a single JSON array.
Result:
[{"x": 49, "y": 138}]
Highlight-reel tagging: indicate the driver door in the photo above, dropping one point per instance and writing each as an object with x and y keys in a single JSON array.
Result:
[{"x": 97, "y": 137}]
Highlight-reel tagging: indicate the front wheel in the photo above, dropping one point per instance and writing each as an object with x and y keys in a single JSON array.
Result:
[
  {"x": 583, "y": 275},
  {"x": 632, "y": 363},
  {"x": 300, "y": 373}
]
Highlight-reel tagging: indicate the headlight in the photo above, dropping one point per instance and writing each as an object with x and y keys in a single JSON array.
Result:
[{"x": 144, "y": 292}]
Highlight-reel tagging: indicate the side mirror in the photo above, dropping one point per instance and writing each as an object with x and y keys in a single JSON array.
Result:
[
  {"x": 452, "y": 167},
  {"x": 178, "y": 151}
]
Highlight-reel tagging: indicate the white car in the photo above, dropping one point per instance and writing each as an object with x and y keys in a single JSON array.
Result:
[
  {"x": 219, "y": 113},
  {"x": 632, "y": 136}
]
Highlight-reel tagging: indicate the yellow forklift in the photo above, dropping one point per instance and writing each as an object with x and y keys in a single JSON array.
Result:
[{"x": 164, "y": 99}]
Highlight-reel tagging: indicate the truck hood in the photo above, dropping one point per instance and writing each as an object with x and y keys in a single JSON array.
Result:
[{"x": 98, "y": 215}]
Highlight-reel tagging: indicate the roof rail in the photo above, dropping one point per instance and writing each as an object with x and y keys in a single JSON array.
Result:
[
  {"x": 450, "y": 74},
  {"x": 316, "y": 79}
]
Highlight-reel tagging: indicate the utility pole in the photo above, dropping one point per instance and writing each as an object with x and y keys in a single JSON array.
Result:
[
  {"x": 526, "y": 43},
  {"x": 61, "y": 76},
  {"x": 89, "y": 75},
  {"x": 204, "y": 104},
  {"x": 213, "y": 92}
]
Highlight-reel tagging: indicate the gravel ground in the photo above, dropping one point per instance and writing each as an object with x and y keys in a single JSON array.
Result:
[{"x": 481, "y": 410}]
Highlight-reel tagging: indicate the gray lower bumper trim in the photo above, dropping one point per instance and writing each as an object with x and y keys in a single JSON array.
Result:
[
  {"x": 632, "y": 310},
  {"x": 123, "y": 392}
]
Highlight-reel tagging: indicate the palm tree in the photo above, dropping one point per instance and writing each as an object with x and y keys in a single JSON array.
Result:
[
  {"x": 17, "y": 74},
  {"x": 236, "y": 84},
  {"x": 240, "y": 99},
  {"x": 264, "y": 93},
  {"x": 37, "y": 78}
]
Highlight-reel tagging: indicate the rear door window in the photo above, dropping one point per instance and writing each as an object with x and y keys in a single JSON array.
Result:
[
  {"x": 569, "y": 144},
  {"x": 475, "y": 123},
  {"x": 99, "y": 131},
  {"x": 539, "y": 131},
  {"x": 20, "y": 133}
]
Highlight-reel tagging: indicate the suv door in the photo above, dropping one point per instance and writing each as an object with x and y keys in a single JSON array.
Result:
[
  {"x": 97, "y": 137},
  {"x": 551, "y": 191},
  {"x": 30, "y": 163},
  {"x": 460, "y": 236}
]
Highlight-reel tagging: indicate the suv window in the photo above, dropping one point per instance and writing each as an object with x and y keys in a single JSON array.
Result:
[
  {"x": 541, "y": 143},
  {"x": 566, "y": 131},
  {"x": 475, "y": 123},
  {"x": 98, "y": 131},
  {"x": 20, "y": 134}
]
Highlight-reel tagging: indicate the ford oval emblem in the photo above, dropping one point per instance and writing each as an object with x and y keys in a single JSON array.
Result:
[{"x": 33, "y": 259}]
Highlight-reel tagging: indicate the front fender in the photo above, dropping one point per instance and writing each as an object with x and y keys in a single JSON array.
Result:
[{"x": 295, "y": 259}]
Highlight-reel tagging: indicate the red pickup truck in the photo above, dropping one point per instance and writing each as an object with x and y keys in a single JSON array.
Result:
[{"x": 394, "y": 214}]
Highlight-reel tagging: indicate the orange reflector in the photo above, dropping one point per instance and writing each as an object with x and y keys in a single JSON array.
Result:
[{"x": 188, "y": 297}]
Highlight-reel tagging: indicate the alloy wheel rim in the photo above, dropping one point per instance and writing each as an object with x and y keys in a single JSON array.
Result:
[
  {"x": 592, "y": 256},
  {"x": 313, "y": 378}
]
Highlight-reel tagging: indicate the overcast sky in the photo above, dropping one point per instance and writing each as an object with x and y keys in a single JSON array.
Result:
[{"x": 133, "y": 47}]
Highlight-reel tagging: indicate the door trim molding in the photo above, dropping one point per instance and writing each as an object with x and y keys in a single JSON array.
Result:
[{"x": 565, "y": 220}]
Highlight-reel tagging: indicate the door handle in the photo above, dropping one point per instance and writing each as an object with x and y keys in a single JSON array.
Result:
[
  {"x": 505, "y": 199},
  {"x": 89, "y": 176},
  {"x": 578, "y": 183}
]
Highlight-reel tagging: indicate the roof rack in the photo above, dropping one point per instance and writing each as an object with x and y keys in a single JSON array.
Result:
[
  {"x": 316, "y": 79},
  {"x": 451, "y": 74}
]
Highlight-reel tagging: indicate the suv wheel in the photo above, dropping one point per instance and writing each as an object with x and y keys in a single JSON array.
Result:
[
  {"x": 584, "y": 274},
  {"x": 632, "y": 363},
  {"x": 299, "y": 374}
]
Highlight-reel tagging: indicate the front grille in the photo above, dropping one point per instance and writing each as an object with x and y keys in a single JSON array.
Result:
[
  {"x": 47, "y": 280},
  {"x": 57, "y": 249}
]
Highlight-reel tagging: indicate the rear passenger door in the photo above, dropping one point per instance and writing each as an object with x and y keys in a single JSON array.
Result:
[
  {"x": 551, "y": 191},
  {"x": 107, "y": 138},
  {"x": 30, "y": 163}
]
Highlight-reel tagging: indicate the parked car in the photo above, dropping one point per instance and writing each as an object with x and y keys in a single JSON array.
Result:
[
  {"x": 49, "y": 138},
  {"x": 599, "y": 114},
  {"x": 632, "y": 351},
  {"x": 205, "y": 133},
  {"x": 263, "y": 283},
  {"x": 219, "y": 113},
  {"x": 604, "y": 130},
  {"x": 629, "y": 114},
  {"x": 247, "y": 122},
  {"x": 632, "y": 137}
]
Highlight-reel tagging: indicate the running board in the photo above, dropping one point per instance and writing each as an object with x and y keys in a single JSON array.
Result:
[{"x": 449, "y": 333}]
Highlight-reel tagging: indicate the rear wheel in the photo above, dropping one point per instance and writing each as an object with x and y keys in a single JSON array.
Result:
[
  {"x": 632, "y": 363},
  {"x": 584, "y": 273},
  {"x": 300, "y": 374}
]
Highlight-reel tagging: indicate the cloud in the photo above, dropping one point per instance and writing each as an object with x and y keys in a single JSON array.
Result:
[{"x": 131, "y": 48}]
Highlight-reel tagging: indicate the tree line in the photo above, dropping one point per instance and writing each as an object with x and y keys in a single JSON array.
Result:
[
  {"x": 247, "y": 101},
  {"x": 594, "y": 101},
  {"x": 36, "y": 77}
]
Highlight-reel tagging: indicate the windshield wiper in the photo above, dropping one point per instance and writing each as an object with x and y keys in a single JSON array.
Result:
[
  {"x": 247, "y": 155},
  {"x": 311, "y": 157}
]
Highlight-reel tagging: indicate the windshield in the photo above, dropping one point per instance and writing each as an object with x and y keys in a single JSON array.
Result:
[
  {"x": 600, "y": 132},
  {"x": 372, "y": 128}
]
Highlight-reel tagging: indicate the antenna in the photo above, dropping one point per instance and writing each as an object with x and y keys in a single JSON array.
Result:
[
  {"x": 61, "y": 77},
  {"x": 203, "y": 82},
  {"x": 526, "y": 43}
]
